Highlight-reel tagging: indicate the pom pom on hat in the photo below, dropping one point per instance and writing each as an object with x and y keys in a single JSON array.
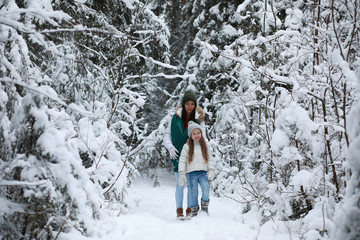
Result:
[
  {"x": 188, "y": 96},
  {"x": 191, "y": 126}
]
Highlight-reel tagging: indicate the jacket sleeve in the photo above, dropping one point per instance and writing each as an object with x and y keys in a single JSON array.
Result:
[
  {"x": 183, "y": 158},
  {"x": 167, "y": 137}
]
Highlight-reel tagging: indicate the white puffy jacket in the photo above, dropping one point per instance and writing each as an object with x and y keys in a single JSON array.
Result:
[{"x": 198, "y": 163}]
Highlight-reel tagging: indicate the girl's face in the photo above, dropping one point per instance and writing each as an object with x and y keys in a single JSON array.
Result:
[
  {"x": 196, "y": 135},
  {"x": 189, "y": 107}
]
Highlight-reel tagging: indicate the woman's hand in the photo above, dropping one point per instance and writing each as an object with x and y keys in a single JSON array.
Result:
[{"x": 173, "y": 153}]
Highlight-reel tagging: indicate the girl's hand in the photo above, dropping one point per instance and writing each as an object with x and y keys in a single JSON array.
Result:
[
  {"x": 182, "y": 179},
  {"x": 210, "y": 175}
]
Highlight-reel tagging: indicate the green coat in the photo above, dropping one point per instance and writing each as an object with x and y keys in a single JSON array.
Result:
[{"x": 179, "y": 136}]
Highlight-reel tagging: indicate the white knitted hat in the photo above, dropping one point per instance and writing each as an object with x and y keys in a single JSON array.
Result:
[{"x": 191, "y": 126}]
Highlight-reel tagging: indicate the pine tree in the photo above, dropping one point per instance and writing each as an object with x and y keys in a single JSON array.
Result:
[
  {"x": 347, "y": 213},
  {"x": 71, "y": 96}
]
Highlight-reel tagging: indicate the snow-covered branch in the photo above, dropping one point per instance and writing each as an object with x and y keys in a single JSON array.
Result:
[{"x": 22, "y": 183}]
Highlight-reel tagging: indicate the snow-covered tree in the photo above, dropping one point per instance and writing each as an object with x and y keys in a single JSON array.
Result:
[
  {"x": 347, "y": 219},
  {"x": 71, "y": 96},
  {"x": 276, "y": 80}
]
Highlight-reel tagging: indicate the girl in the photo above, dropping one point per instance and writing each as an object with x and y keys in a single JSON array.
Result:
[
  {"x": 176, "y": 136},
  {"x": 196, "y": 161}
]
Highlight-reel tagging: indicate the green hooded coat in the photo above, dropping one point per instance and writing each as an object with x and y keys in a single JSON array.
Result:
[{"x": 179, "y": 136}]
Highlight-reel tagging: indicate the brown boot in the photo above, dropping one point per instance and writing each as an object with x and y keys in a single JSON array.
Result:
[
  {"x": 179, "y": 214},
  {"x": 188, "y": 211}
]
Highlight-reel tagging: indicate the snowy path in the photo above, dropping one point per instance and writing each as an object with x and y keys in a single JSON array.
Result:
[{"x": 154, "y": 218}]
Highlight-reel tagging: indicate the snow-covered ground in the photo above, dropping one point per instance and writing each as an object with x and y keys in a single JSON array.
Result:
[{"x": 153, "y": 217}]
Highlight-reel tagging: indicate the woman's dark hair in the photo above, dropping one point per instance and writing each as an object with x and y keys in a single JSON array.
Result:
[
  {"x": 183, "y": 115},
  {"x": 188, "y": 96}
]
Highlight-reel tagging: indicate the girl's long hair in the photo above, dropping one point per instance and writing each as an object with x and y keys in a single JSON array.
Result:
[{"x": 204, "y": 149}]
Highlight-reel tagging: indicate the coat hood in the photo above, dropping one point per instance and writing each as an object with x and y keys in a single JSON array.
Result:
[{"x": 199, "y": 114}]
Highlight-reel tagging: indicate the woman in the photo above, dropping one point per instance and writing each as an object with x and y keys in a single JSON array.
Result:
[{"x": 176, "y": 136}]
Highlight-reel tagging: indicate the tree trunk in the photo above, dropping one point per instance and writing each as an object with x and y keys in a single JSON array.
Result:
[{"x": 328, "y": 145}]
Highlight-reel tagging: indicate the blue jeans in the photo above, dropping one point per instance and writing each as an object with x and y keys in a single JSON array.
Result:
[
  {"x": 195, "y": 178},
  {"x": 179, "y": 192}
]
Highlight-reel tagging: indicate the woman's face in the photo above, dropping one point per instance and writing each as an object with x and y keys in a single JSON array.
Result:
[
  {"x": 196, "y": 135},
  {"x": 189, "y": 107}
]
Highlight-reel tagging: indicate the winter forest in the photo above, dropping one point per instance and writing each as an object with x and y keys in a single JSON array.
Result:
[{"x": 87, "y": 88}]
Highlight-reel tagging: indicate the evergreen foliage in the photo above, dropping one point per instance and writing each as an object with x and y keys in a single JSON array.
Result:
[{"x": 71, "y": 97}]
